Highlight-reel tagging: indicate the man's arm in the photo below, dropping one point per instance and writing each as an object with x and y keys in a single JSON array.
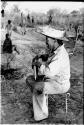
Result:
[{"x": 50, "y": 70}]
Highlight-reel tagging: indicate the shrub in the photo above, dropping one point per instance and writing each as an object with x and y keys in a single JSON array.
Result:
[{"x": 15, "y": 28}]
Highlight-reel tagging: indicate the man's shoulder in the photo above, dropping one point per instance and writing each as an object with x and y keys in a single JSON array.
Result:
[{"x": 64, "y": 49}]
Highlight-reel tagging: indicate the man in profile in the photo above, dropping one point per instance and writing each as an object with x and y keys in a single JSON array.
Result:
[{"x": 56, "y": 71}]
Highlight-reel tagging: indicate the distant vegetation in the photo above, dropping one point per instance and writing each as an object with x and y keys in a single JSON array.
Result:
[{"x": 54, "y": 17}]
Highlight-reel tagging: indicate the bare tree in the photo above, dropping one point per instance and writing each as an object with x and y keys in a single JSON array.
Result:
[
  {"x": 32, "y": 20},
  {"x": 28, "y": 18},
  {"x": 82, "y": 12},
  {"x": 4, "y": 4},
  {"x": 16, "y": 9}
]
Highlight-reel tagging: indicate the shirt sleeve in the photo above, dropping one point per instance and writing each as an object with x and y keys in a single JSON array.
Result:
[
  {"x": 60, "y": 66},
  {"x": 52, "y": 70}
]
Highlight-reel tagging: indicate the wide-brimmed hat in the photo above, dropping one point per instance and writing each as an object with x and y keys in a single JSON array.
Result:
[{"x": 53, "y": 33}]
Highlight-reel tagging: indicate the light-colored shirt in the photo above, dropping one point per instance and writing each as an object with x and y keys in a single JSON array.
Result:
[
  {"x": 9, "y": 27},
  {"x": 59, "y": 68}
]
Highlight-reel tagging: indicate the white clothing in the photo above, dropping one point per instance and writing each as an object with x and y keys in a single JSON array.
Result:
[
  {"x": 3, "y": 22},
  {"x": 59, "y": 75},
  {"x": 59, "y": 68},
  {"x": 40, "y": 106},
  {"x": 9, "y": 29}
]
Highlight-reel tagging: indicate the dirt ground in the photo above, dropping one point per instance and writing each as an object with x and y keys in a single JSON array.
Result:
[{"x": 16, "y": 98}]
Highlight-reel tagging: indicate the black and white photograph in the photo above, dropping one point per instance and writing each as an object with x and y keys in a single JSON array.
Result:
[{"x": 41, "y": 62}]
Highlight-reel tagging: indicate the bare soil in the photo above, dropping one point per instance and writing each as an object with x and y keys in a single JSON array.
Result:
[{"x": 16, "y": 98}]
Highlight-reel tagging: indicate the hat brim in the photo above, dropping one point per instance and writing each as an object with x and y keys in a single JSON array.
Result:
[
  {"x": 53, "y": 34},
  {"x": 63, "y": 39},
  {"x": 49, "y": 36}
]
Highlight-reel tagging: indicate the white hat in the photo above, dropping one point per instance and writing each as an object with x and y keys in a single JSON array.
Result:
[{"x": 53, "y": 33}]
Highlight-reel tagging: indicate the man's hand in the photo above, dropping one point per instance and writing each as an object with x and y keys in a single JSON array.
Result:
[
  {"x": 36, "y": 63},
  {"x": 39, "y": 88},
  {"x": 39, "y": 60}
]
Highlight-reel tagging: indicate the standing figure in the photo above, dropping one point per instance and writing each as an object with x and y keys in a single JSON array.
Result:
[
  {"x": 9, "y": 28},
  {"x": 2, "y": 19},
  {"x": 23, "y": 24},
  {"x": 32, "y": 20},
  {"x": 8, "y": 49}
]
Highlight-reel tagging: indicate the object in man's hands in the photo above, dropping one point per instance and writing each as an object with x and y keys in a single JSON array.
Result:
[
  {"x": 35, "y": 74},
  {"x": 35, "y": 66},
  {"x": 39, "y": 92},
  {"x": 44, "y": 57},
  {"x": 37, "y": 62}
]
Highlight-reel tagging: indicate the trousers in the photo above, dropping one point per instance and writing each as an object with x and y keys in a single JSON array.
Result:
[{"x": 40, "y": 89}]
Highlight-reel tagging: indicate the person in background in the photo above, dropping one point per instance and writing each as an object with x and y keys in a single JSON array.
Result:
[
  {"x": 2, "y": 19},
  {"x": 56, "y": 71},
  {"x": 9, "y": 28},
  {"x": 8, "y": 49},
  {"x": 32, "y": 20},
  {"x": 7, "y": 45}
]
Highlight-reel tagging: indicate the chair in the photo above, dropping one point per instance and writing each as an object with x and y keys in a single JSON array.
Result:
[{"x": 66, "y": 95}]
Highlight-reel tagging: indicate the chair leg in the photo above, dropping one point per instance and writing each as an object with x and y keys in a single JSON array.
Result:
[{"x": 67, "y": 95}]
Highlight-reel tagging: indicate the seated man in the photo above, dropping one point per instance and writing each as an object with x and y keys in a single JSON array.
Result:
[{"x": 56, "y": 71}]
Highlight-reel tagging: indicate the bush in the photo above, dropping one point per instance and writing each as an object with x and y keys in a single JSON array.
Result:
[{"x": 15, "y": 29}]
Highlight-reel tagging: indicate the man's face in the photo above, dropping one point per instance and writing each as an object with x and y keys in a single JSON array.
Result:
[{"x": 51, "y": 43}]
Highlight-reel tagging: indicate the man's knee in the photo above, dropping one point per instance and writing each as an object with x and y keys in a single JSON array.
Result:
[
  {"x": 30, "y": 79},
  {"x": 39, "y": 88}
]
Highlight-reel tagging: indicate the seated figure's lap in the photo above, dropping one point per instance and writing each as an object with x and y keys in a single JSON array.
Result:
[
  {"x": 31, "y": 82},
  {"x": 30, "y": 79}
]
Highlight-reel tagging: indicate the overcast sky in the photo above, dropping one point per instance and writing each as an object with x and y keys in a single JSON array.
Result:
[{"x": 45, "y": 6}]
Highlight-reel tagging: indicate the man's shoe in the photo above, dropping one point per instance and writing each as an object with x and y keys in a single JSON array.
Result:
[{"x": 41, "y": 121}]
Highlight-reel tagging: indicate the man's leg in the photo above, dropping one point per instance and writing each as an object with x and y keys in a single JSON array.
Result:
[
  {"x": 40, "y": 102},
  {"x": 40, "y": 106},
  {"x": 53, "y": 87}
]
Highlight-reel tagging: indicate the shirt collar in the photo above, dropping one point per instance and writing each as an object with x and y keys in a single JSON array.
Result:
[{"x": 58, "y": 49}]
